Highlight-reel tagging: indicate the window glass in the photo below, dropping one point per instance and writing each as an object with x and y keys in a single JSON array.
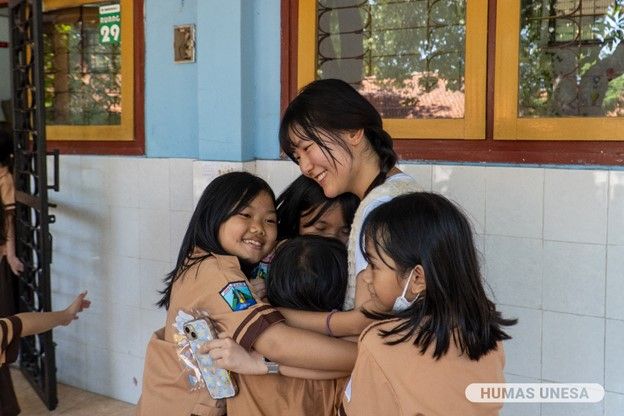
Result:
[
  {"x": 406, "y": 56},
  {"x": 82, "y": 74},
  {"x": 571, "y": 59}
]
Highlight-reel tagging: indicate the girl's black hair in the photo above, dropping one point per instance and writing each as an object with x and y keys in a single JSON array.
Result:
[
  {"x": 333, "y": 106},
  {"x": 308, "y": 273},
  {"x": 428, "y": 230},
  {"x": 303, "y": 196},
  {"x": 224, "y": 197}
]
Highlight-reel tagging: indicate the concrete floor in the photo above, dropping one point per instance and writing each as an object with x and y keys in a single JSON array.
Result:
[{"x": 72, "y": 401}]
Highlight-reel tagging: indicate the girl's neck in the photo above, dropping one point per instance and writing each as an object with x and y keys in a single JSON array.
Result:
[
  {"x": 365, "y": 174},
  {"x": 364, "y": 180}
]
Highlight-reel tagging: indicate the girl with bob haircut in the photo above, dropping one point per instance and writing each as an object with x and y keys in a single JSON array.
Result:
[
  {"x": 437, "y": 332},
  {"x": 337, "y": 138},
  {"x": 308, "y": 273},
  {"x": 232, "y": 228},
  {"x": 303, "y": 209}
]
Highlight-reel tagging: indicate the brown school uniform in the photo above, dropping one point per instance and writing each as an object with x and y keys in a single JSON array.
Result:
[
  {"x": 7, "y": 281},
  {"x": 166, "y": 390},
  {"x": 10, "y": 332},
  {"x": 398, "y": 380}
]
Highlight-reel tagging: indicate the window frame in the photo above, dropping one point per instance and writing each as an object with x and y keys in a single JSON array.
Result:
[
  {"x": 133, "y": 140},
  {"x": 562, "y": 151}
]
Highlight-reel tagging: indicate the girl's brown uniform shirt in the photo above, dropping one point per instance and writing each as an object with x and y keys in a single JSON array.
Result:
[
  {"x": 10, "y": 332},
  {"x": 166, "y": 390},
  {"x": 7, "y": 196},
  {"x": 398, "y": 380}
]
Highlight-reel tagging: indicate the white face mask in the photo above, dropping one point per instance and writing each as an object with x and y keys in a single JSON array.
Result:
[{"x": 401, "y": 303}]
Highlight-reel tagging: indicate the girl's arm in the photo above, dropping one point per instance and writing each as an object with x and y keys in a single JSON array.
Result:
[
  {"x": 38, "y": 322},
  {"x": 342, "y": 324},
  {"x": 226, "y": 353},
  {"x": 304, "y": 349},
  {"x": 14, "y": 263}
]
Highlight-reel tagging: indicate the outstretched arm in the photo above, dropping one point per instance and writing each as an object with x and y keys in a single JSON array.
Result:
[
  {"x": 341, "y": 324},
  {"x": 38, "y": 322},
  {"x": 304, "y": 349},
  {"x": 226, "y": 353}
]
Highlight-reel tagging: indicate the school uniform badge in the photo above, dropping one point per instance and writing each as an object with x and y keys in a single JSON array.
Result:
[{"x": 238, "y": 296}]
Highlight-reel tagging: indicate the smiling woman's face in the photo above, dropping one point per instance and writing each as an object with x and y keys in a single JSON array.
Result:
[{"x": 332, "y": 174}]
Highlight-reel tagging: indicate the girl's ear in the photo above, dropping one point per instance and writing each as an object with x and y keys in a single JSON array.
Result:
[
  {"x": 418, "y": 284},
  {"x": 355, "y": 137}
]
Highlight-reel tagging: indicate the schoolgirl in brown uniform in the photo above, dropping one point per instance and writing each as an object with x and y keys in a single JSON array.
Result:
[
  {"x": 233, "y": 228},
  {"x": 10, "y": 264},
  {"x": 438, "y": 332}
]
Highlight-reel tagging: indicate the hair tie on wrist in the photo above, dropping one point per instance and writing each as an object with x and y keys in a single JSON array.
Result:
[{"x": 327, "y": 319}]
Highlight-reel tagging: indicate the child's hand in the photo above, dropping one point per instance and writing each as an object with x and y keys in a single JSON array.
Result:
[
  {"x": 362, "y": 293},
  {"x": 258, "y": 288},
  {"x": 226, "y": 353},
  {"x": 77, "y": 306},
  {"x": 17, "y": 267}
]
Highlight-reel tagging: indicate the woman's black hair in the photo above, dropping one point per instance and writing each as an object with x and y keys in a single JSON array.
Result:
[
  {"x": 333, "y": 106},
  {"x": 428, "y": 230},
  {"x": 308, "y": 273},
  {"x": 223, "y": 197},
  {"x": 302, "y": 197}
]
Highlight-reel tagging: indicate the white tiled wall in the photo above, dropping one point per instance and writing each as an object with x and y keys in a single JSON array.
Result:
[{"x": 552, "y": 241}]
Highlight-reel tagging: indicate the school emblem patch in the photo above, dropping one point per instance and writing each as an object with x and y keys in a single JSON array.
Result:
[{"x": 238, "y": 296}]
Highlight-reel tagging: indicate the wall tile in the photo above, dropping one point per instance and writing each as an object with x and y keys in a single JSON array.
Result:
[
  {"x": 574, "y": 278},
  {"x": 464, "y": 185},
  {"x": 179, "y": 223},
  {"x": 94, "y": 171},
  {"x": 204, "y": 172},
  {"x": 514, "y": 202},
  {"x": 567, "y": 409},
  {"x": 614, "y": 404},
  {"x": 89, "y": 220},
  {"x": 567, "y": 338},
  {"x": 154, "y": 185},
  {"x": 152, "y": 274},
  {"x": 124, "y": 280},
  {"x": 154, "y": 235},
  {"x": 71, "y": 362},
  {"x": 421, "y": 172},
  {"x": 181, "y": 184},
  {"x": 70, "y": 179},
  {"x": 521, "y": 409},
  {"x": 614, "y": 371},
  {"x": 575, "y": 205},
  {"x": 514, "y": 270},
  {"x": 616, "y": 208},
  {"x": 113, "y": 374},
  {"x": 279, "y": 174},
  {"x": 123, "y": 234},
  {"x": 125, "y": 328},
  {"x": 523, "y": 351},
  {"x": 99, "y": 324},
  {"x": 123, "y": 182},
  {"x": 615, "y": 282},
  {"x": 151, "y": 321}
]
